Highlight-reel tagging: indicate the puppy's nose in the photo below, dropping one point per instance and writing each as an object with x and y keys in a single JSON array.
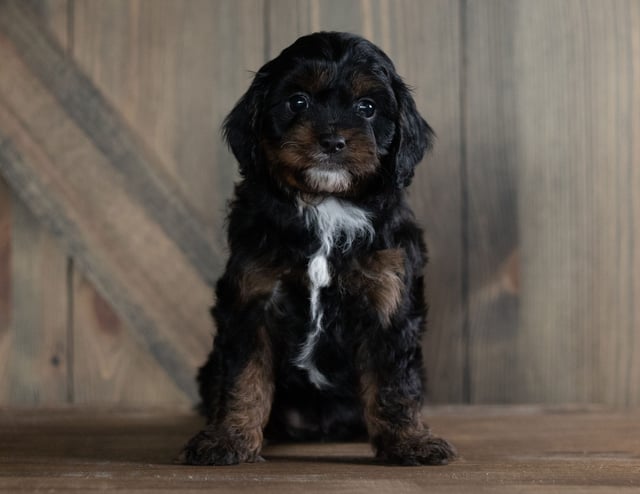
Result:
[{"x": 332, "y": 143}]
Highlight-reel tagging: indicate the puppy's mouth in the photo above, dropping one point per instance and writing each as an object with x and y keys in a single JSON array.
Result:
[{"x": 328, "y": 162}]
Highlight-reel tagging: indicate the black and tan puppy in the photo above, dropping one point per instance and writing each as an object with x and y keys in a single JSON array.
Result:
[{"x": 321, "y": 309}]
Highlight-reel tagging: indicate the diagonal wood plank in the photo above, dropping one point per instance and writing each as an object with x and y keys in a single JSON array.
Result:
[
  {"x": 59, "y": 166},
  {"x": 146, "y": 177}
]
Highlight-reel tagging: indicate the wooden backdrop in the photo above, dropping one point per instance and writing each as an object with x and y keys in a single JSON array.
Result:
[{"x": 115, "y": 182}]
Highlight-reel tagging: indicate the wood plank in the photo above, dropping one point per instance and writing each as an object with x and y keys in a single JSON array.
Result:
[
  {"x": 424, "y": 43},
  {"x": 110, "y": 366},
  {"x": 35, "y": 369},
  {"x": 502, "y": 450},
  {"x": 578, "y": 110},
  {"x": 78, "y": 191},
  {"x": 422, "y": 38},
  {"x": 550, "y": 115},
  {"x": 5, "y": 285},
  {"x": 491, "y": 230},
  {"x": 33, "y": 322}
]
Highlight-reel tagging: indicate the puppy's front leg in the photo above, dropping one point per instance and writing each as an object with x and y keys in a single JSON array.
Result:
[
  {"x": 390, "y": 362},
  {"x": 391, "y": 387},
  {"x": 237, "y": 381}
]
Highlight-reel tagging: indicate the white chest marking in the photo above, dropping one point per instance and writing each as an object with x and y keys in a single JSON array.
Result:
[{"x": 337, "y": 224}]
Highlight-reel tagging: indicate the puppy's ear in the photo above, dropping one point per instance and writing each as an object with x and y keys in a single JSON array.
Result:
[
  {"x": 241, "y": 128},
  {"x": 413, "y": 135}
]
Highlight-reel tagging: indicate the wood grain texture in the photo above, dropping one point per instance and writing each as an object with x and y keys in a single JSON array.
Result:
[
  {"x": 144, "y": 176},
  {"x": 56, "y": 15},
  {"x": 73, "y": 186},
  {"x": 551, "y": 109},
  {"x": 502, "y": 451},
  {"x": 289, "y": 19},
  {"x": 34, "y": 366},
  {"x": 491, "y": 231},
  {"x": 105, "y": 362},
  {"x": 578, "y": 152},
  {"x": 5, "y": 286},
  {"x": 110, "y": 366},
  {"x": 153, "y": 61},
  {"x": 35, "y": 369},
  {"x": 174, "y": 70},
  {"x": 426, "y": 53}
]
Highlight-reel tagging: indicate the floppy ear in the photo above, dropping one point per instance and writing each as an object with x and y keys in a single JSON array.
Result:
[
  {"x": 413, "y": 135},
  {"x": 241, "y": 128}
]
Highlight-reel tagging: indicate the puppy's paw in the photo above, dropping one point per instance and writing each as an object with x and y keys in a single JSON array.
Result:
[
  {"x": 421, "y": 449},
  {"x": 216, "y": 447}
]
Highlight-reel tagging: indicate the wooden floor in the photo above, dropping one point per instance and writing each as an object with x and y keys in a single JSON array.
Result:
[{"x": 510, "y": 450}]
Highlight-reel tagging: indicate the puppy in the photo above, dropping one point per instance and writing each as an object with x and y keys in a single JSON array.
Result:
[{"x": 321, "y": 309}]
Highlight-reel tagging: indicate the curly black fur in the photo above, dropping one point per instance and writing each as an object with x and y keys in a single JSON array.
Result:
[{"x": 321, "y": 310}]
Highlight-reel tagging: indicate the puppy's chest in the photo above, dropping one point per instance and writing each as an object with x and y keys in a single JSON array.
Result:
[
  {"x": 340, "y": 270},
  {"x": 338, "y": 227}
]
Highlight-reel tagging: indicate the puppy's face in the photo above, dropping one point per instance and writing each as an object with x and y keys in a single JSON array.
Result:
[
  {"x": 328, "y": 116},
  {"x": 328, "y": 125}
]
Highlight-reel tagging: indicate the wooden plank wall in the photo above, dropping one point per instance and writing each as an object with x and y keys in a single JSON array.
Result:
[
  {"x": 33, "y": 338},
  {"x": 527, "y": 200}
]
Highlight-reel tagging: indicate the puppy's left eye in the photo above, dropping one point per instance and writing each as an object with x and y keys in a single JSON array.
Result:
[
  {"x": 366, "y": 108},
  {"x": 298, "y": 103}
]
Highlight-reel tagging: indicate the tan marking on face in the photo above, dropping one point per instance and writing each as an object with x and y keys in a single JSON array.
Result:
[
  {"x": 297, "y": 147},
  {"x": 316, "y": 78},
  {"x": 364, "y": 84},
  {"x": 288, "y": 158},
  {"x": 300, "y": 151},
  {"x": 361, "y": 157}
]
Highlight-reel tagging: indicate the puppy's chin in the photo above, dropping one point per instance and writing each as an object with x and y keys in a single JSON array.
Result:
[{"x": 328, "y": 180}]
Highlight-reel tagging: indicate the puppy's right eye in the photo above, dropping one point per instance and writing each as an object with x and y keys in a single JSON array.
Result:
[{"x": 298, "y": 103}]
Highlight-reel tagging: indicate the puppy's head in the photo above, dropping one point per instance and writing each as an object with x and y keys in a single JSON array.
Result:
[{"x": 329, "y": 115}]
